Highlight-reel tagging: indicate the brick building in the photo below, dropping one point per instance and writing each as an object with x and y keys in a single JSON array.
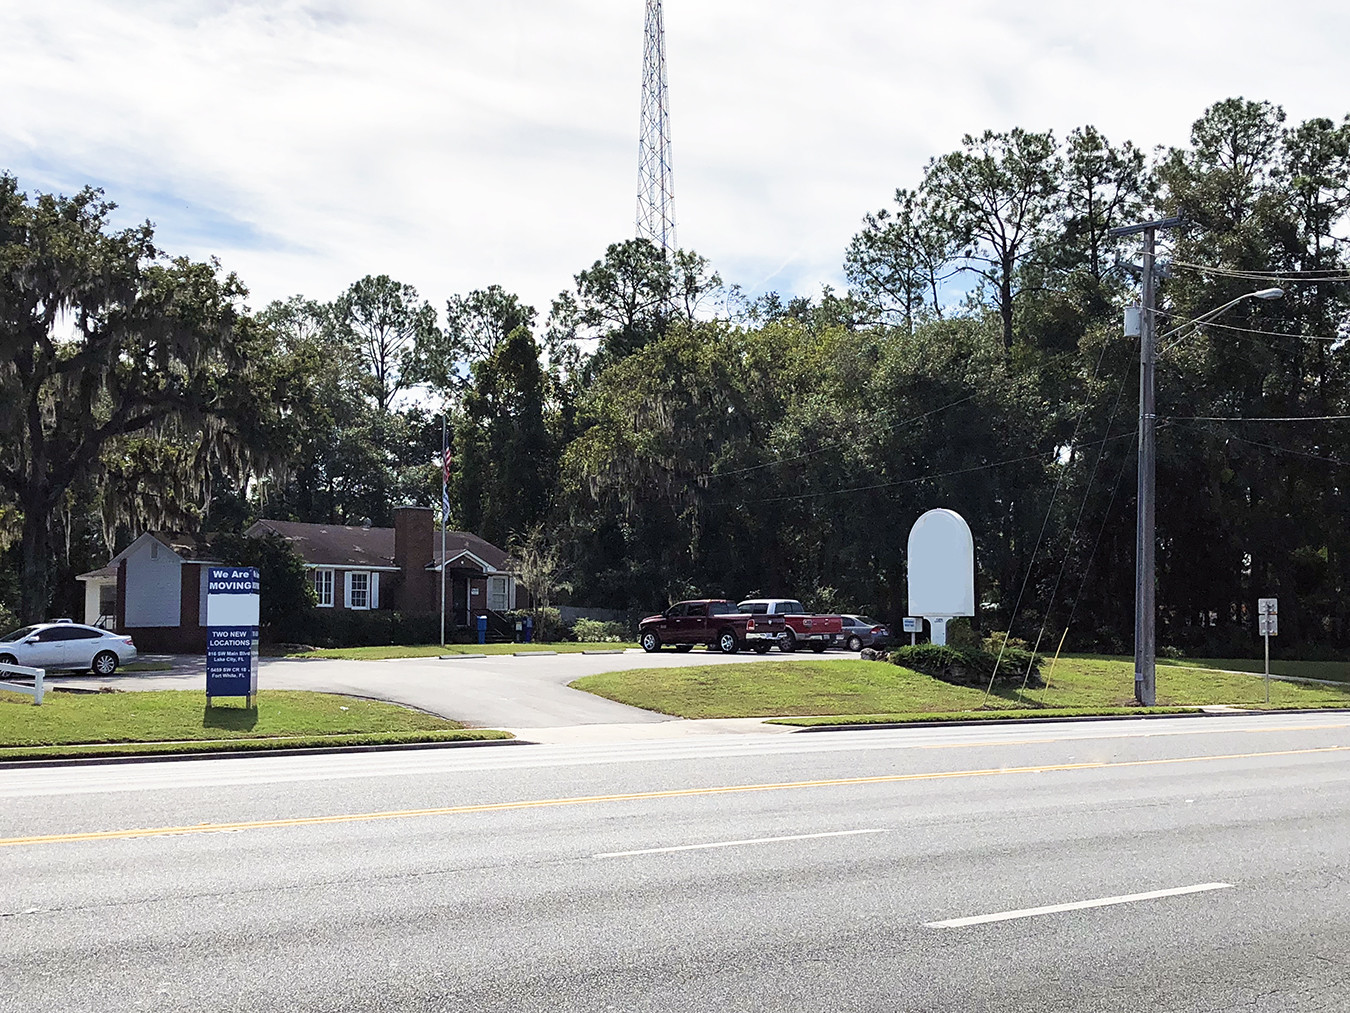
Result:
[{"x": 154, "y": 589}]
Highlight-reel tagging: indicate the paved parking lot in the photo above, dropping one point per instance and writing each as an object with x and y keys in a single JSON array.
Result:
[{"x": 528, "y": 696}]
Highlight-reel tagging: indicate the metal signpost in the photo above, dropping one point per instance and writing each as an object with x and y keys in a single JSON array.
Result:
[
  {"x": 1268, "y": 625},
  {"x": 232, "y": 619},
  {"x": 913, "y": 626}
]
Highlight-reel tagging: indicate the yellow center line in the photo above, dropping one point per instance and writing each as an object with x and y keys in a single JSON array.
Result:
[{"x": 399, "y": 814}]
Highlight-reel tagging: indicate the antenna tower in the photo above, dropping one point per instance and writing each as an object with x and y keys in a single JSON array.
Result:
[{"x": 656, "y": 180}]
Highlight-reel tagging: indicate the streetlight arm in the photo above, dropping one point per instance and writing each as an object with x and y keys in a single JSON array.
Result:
[{"x": 1265, "y": 293}]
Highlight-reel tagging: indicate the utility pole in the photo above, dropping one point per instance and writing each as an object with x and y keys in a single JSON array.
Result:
[{"x": 1145, "y": 544}]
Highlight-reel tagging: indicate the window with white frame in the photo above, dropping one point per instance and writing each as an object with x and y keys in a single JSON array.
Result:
[
  {"x": 358, "y": 590},
  {"x": 323, "y": 588},
  {"x": 498, "y": 600}
]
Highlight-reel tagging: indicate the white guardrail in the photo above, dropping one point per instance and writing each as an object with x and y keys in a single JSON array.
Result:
[{"x": 35, "y": 690}]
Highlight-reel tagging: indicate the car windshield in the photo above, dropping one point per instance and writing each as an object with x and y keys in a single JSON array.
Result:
[
  {"x": 722, "y": 608},
  {"x": 10, "y": 638}
]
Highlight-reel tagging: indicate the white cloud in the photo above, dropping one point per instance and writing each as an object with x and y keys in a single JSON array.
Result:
[{"x": 455, "y": 145}]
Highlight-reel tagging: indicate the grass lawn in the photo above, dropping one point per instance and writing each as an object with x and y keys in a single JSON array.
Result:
[
  {"x": 868, "y": 691},
  {"x": 1336, "y": 671},
  {"x": 435, "y": 650},
  {"x": 92, "y": 724}
]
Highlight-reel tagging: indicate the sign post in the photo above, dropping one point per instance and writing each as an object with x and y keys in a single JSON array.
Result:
[
  {"x": 232, "y": 620},
  {"x": 1268, "y": 625},
  {"x": 913, "y": 626}
]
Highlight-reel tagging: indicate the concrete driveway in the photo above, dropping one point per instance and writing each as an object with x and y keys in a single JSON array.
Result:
[{"x": 526, "y": 695}]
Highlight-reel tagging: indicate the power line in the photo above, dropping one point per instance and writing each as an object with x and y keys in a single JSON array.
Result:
[
  {"x": 1267, "y": 446},
  {"x": 928, "y": 478},
  {"x": 1272, "y": 334},
  {"x": 841, "y": 442},
  {"x": 1250, "y": 418},
  {"x": 1289, "y": 276},
  {"x": 1068, "y": 548}
]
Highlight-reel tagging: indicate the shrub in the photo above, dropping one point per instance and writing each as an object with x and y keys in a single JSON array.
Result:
[
  {"x": 965, "y": 666},
  {"x": 595, "y": 631},
  {"x": 548, "y": 624},
  {"x": 961, "y": 633},
  {"x": 1173, "y": 653}
]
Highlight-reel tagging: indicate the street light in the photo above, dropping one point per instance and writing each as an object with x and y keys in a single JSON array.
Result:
[
  {"x": 1145, "y": 610},
  {"x": 1265, "y": 293}
]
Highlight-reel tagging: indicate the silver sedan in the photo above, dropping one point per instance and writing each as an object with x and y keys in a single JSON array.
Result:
[{"x": 66, "y": 645}]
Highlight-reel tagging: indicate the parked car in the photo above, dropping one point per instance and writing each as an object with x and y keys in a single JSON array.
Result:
[
  {"x": 816, "y": 631},
  {"x": 66, "y": 645},
  {"x": 713, "y": 622},
  {"x": 860, "y": 632}
]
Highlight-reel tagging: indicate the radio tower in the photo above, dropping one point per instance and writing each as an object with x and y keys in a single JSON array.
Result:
[{"x": 656, "y": 180}]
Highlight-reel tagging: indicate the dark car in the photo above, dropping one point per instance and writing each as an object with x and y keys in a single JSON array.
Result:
[
  {"x": 860, "y": 632},
  {"x": 713, "y": 622}
]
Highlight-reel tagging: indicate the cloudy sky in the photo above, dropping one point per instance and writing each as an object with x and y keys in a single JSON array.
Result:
[{"x": 455, "y": 145}]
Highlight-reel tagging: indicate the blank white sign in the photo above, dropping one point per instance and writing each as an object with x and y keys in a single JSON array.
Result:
[{"x": 941, "y": 565}]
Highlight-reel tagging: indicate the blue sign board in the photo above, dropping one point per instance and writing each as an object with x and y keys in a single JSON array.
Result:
[{"x": 232, "y": 619}]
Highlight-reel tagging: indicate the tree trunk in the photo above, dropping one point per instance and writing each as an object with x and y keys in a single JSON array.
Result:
[
  {"x": 35, "y": 592},
  {"x": 1005, "y": 308}
]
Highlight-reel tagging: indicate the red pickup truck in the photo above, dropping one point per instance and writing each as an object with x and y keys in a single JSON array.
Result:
[
  {"x": 802, "y": 628},
  {"x": 714, "y": 622}
]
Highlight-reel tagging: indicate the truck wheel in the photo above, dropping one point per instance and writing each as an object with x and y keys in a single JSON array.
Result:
[
  {"x": 855, "y": 644},
  {"x": 650, "y": 642},
  {"x": 787, "y": 643},
  {"x": 762, "y": 648},
  {"x": 818, "y": 646},
  {"x": 727, "y": 643},
  {"x": 684, "y": 648}
]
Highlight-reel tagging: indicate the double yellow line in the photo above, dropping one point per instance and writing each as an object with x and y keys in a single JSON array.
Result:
[{"x": 403, "y": 814}]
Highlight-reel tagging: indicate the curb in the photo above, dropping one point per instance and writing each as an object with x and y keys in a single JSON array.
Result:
[
  {"x": 1058, "y": 720},
  {"x": 534, "y": 654},
  {"x": 224, "y": 754},
  {"x": 456, "y": 657},
  {"x": 619, "y": 651}
]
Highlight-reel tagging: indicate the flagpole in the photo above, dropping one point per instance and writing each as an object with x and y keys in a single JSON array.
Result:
[{"x": 445, "y": 506}]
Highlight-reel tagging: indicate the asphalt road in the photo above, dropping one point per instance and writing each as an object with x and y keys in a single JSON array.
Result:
[
  {"x": 527, "y": 695},
  {"x": 506, "y": 878}
]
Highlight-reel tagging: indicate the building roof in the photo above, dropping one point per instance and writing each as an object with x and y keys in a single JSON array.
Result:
[
  {"x": 333, "y": 544},
  {"x": 458, "y": 543},
  {"x": 188, "y": 548},
  {"x": 107, "y": 573},
  {"x": 342, "y": 545}
]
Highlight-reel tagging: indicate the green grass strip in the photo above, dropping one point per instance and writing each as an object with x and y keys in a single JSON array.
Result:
[
  {"x": 846, "y": 688},
  {"x": 182, "y": 716},
  {"x": 104, "y": 749}
]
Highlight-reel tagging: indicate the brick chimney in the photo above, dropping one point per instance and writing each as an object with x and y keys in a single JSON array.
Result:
[{"x": 413, "y": 547}]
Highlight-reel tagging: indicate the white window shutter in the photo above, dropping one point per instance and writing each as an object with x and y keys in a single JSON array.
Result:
[
  {"x": 374, "y": 590},
  {"x": 347, "y": 589}
]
